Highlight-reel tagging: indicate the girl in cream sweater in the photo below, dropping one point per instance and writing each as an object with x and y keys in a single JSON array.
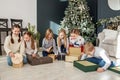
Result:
[{"x": 14, "y": 44}]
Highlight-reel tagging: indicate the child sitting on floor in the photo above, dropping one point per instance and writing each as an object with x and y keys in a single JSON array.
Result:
[
  {"x": 75, "y": 39},
  {"x": 99, "y": 56},
  {"x": 62, "y": 42},
  {"x": 48, "y": 43},
  {"x": 31, "y": 49},
  {"x": 14, "y": 44}
]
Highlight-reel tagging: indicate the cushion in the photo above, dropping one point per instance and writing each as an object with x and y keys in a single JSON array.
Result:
[
  {"x": 110, "y": 34},
  {"x": 111, "y": 49},
  {"x": 110, "y": 41}
]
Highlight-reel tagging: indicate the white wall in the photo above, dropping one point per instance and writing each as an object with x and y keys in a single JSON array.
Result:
[{"x": 19, "y": 9}]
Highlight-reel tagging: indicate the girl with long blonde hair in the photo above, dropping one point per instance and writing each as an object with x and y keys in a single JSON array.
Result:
[
  {"x": 48, "y": 43},
  {"x": 62, "y": 42}
]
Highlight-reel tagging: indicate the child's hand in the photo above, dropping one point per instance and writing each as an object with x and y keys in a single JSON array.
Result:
[
  {"x": 48, "y": 50},
  {"x": 100, "y": 70},
  {"x": 11, "y": 54},
  {"x": 82, "y": 53},
  {"x": 68, "y": 53},
  {"x": 33, "y": 55}
]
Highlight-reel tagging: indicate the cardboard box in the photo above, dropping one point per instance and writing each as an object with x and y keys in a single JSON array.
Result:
[
  {"x": 71, "y": 58},
  {"x": 85, "y": 66},
  {"x": 74, "y": 54},
  {"x": 52, "y": 56},
  {"x": 115, "y": 69}
]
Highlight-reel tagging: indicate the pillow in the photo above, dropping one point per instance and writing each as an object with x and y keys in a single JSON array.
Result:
[
  {"x": 110, "y": 42},
  {"x": 110, "y": 34}
]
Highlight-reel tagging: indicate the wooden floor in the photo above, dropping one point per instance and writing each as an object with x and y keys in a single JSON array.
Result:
[{"x": 59, "y": 70}]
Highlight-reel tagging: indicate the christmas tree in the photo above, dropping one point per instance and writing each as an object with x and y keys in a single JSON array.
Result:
[{"x": 77, "y": 16}]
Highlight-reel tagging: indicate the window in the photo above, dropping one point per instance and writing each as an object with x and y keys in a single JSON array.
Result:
[{"x": 114, "y": 4}]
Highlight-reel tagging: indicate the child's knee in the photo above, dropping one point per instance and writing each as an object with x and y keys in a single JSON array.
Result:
[
  {"x": 44, "y": 53},
  {"x": 9, "y": 63},
  {"x": 25, "y": 60}
]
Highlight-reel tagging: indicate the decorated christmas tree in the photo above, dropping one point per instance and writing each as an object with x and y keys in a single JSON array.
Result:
[{"x": 77, "y": 16}]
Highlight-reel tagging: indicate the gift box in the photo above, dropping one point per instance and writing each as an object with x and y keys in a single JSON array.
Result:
[
  {"x": 71, "y": 58},
  {"x": 115, "y": 69},
  {"x": 74, "y": 51},
  {"x": 52, "y": 56},
  {"x": 45, "y": 60},
  {"x": 85, "y": 66},
  {"x": 61, "y": 56},
  {"x": 74, "y": 54},
  {"x": 18, "y": 65}
]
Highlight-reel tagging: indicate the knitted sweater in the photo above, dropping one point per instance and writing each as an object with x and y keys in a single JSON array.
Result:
[
  {"x": 62, "y": 42},
  {"x": 29, "y": 50},
  {"x": 77, "y": 42},
  {"x": 16, "y": 47},
  {"x": 46, "y": 44}
]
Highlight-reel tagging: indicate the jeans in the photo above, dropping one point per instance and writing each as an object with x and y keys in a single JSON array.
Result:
[
  {"x": 100, "y": 62},
  {"x": 63, "y": 49},
  {"x": 9, "y": 61},
  {"x": 45, "y": 53}
]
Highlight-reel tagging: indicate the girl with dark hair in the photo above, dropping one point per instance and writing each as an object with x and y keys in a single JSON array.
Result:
[
  {"x": 31, "y": 49},
  {"x": 76, "y": 39},
  {"x": 14, "y": 44}
]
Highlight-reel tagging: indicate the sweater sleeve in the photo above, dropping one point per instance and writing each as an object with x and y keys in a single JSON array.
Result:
[
  {"x": 43, "y": 45},
  {"x": 22, "y": 48},
  {"x": 83, "y": 41},
  {"x": 35, "y": 51},
  {"x": 7, "y": 44},
  {"x": 54, "y": 47},
  {"x": 84, "y": 56},
  {"x": 59, "y": 48},
  {"x": 106, "y": 59}
]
